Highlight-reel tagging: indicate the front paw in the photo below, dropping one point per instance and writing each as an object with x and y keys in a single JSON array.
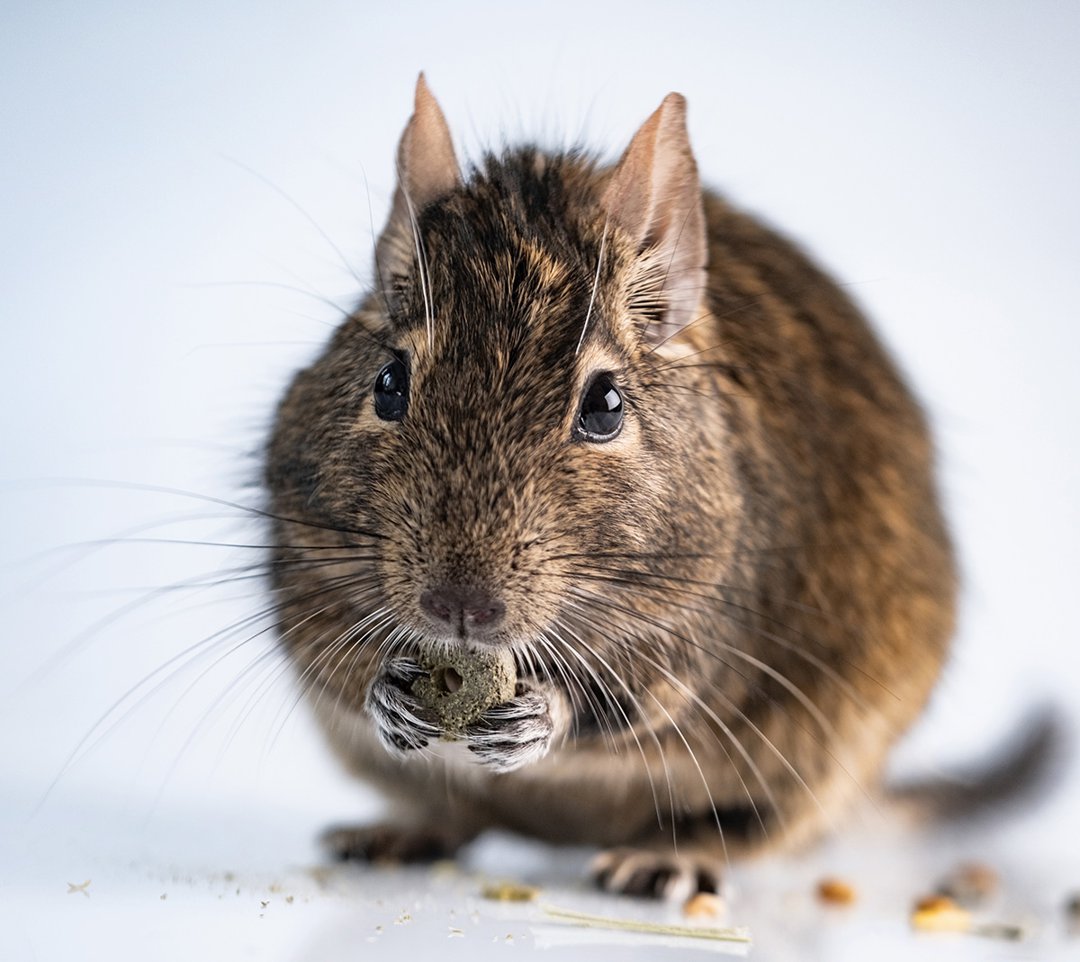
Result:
[
  {"x": 401, "y": 722},
  {"x": 515, "y": 733}
]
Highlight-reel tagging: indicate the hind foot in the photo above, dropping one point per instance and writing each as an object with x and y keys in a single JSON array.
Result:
[
  {"x": 658, "y": 875},
  {"x": 387, "y": 843}
]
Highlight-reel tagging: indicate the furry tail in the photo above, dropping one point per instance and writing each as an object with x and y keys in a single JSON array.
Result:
[{"x": 1027, "y": 766}]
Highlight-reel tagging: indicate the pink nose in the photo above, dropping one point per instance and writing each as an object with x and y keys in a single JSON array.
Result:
[{"x": 470, "y": 610}]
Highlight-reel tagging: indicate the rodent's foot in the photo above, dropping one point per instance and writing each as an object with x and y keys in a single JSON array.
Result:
[
  {"x": 657, "y": 875},
  {"x": 515, "y": 733},
  {"x": 402, "y": 723},
  {"x": 389, "y": 843}
]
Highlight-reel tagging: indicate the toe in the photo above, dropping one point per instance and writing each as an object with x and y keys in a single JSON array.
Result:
[{"x": 658, "y": 875}]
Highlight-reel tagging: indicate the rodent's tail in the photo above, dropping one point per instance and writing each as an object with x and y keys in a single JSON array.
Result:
[{"x": 1024, "y": 768}]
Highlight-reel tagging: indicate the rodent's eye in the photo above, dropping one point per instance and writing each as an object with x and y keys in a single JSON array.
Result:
[
  {"x": 601, "y": 413},
  {"x": 392, "y": 391}
]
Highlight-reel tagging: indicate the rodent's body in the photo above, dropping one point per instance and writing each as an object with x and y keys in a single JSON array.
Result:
[{"x": 730, "y": 610}]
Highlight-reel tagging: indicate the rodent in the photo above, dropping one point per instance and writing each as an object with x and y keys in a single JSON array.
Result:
[{"x": 599, "y": 417}]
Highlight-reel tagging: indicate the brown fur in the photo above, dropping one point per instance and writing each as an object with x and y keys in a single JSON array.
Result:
[{"x": 733, "y": 609}]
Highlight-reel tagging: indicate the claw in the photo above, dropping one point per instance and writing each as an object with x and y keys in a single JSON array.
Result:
[
  {"x": 514, "y": 734},
  {"x": 658, "y": 875},
  {"x": 401, "y": 722}
]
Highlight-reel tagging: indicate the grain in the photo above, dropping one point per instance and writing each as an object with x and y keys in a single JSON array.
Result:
[
  {"x": 834, "y": 891},
  {"x": 509, "y": 892},
  {"x": 970, "y": 884},
  {"x": 704, "y": 905},
  {"x": 939, "y": 913}
]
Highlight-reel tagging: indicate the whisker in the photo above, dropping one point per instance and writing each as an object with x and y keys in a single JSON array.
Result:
[
  {"x": 303, "y": 213},
  {"x": 636, "y": 705},
  {"x": 693, "y": 698},
  {"x": 658, "y": 592},
  {"x": 711, "y": 654},
  {"x": 421, "y": 260},
  {"x": 595, "y": 287}
]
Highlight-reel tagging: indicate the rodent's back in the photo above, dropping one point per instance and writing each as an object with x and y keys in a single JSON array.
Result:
[{"x": 856, "y": 566}]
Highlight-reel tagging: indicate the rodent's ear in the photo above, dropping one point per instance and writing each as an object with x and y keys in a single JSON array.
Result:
[
  {"x": 427, "y": 169},
  {"x": 655, "y": 196}
]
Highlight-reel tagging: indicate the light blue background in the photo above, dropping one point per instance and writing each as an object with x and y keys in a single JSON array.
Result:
[{"x": 176, "y": 178}]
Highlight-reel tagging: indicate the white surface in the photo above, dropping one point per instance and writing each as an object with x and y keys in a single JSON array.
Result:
[{"x": 176, "y": 178}]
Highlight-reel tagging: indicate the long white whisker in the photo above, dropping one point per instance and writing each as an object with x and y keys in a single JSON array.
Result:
[
  {"x": 704, "y": 781},
  {"x": 595, "y": 286},
  {"x": 421, "y": 261},
  {"x": 636, "y": 705}
]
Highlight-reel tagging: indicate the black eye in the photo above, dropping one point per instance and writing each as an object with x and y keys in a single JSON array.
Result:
[
  {"x": 392, "y": 391},
  {"x": 600, "y": 416}
]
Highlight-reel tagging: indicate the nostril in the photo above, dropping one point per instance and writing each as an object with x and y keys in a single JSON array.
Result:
[
  {"x": 490, "y": 613},
  {"x": 438, "y": 604},
  {"x": 463, "y": 606}
]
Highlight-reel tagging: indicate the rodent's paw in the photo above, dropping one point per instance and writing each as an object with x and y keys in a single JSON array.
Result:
[
  {"x": 515, "y": 733},
  {"x": 389, "y": 843},
  {"x": 657, "y": 875},
  {"x": 402, "y": 723}
]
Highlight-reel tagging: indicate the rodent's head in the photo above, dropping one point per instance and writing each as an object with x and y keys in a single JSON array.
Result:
[{"x": 501, "y": 413}]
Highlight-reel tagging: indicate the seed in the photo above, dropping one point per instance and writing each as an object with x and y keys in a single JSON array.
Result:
[
  {"x": 939, "y": 913},
  {"x": 834, "y": 891},
  {"x": 704, "y": 905},
  {"x": 970, "y": 884},
  {"x": 509, "y": 892}
]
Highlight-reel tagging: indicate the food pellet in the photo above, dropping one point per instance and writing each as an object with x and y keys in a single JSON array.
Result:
[
  {"x": 939, "y": 913},
  {"x": 704, "y": 905},
  {"x": 835, "y": 891},
  {"x": 462, "y": 685},
  {"x": 971, "y": 884},
  {"x": 509, "y": 892}
]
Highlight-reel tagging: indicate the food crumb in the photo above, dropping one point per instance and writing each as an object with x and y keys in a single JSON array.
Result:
[
  {"x": 456, "y": 933},
  {"x": 834, "y": 891},
  {"x": 970, "y": 884},
  {"x": 403, "y": 919},
  {"x": 939, "y": 913},
  {"x": 322, "y": 874},
  {"x": 444, "y": 868},
  {"x": 289, "y": 899},
  {"x": 379, "y": 929},
  {"x": 509, "y": 892},
  {"x": 73, "y": 888},
  {"x": 1004, "y": 931},
  {"x": 704, "y": 905}
]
